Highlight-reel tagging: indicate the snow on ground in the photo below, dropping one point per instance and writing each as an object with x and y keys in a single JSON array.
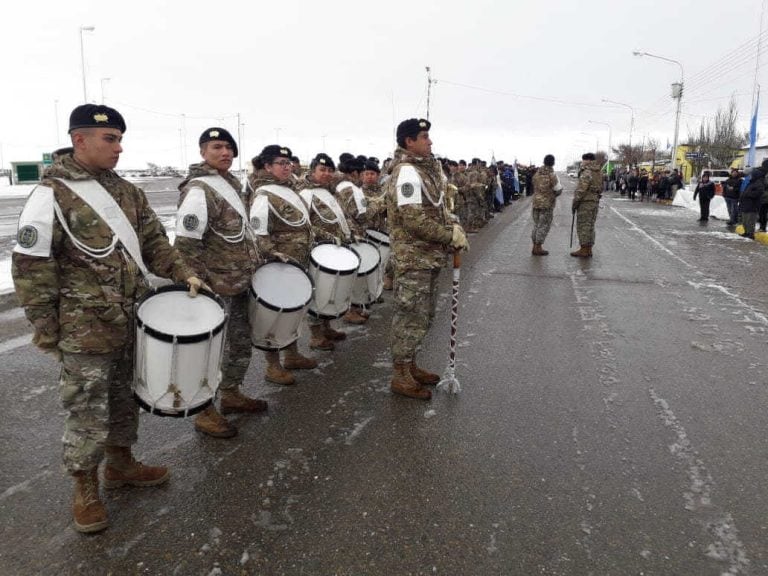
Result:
[
  {"x": 717, "y": 207},
  {"x": 18, "y": 191}
]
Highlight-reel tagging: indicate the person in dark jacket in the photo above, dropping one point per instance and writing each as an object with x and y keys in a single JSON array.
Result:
[
  {"x": 705, "y": 190},
  {"x": 731, "y": 192},
  {"x": 749, "y": 204},
  {"x": 763, "y": 213},
  {"x": 632, "y": 182},
  {"x": 642, "y": 184}
]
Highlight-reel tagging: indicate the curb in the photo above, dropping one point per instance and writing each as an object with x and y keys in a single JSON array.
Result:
[{"x": 760, "y": 237}]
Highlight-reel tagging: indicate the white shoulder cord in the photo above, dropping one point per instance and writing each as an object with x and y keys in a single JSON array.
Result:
[
  {"x": 300, "y": 222},
  {"x": 235, "y": 238},
  {"x": 93, "y": 252}
]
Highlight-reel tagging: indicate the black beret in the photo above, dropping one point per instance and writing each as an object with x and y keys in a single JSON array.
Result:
[
  {"x": 588, "y": 156},
  {"x": 549, "y": 160},
  {"x": 345, "y": 156},
  {"x": 350, "y": 165},
  {"x": 275, "y": 151},
  {"x": 95, "y": 116},
  {"x": 371, "y": 165},
  {"x": 373, "y": 159},
  {"x": 211, "y": 134},
  {"x": 362, "y": 159},
  {"x": 410, "y": 128},
  {"x": 323, "y": 160}
]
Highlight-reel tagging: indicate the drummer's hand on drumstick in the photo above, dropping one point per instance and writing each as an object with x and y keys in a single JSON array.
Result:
[
  {"x": 459, "y": 239},
  {"x": 195, "y": 285},
  {"x": 281, "y": 257}
]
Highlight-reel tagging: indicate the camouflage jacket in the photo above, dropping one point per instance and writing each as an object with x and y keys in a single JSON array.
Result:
[
  {"x": 544, "y": 182},
  {"x": 590, "y": 186},
  {"x": 323, "y": 231},
  {"x": 358, "y": 221},
  {"x": 376, "y": 212},
  {"x": 295, "y": 241},
  {"x": 460, "y": 180},
  {"x": 476, "y": 184},
  {"x": 82, "y": 302},
  {"x": 225, "y": 266},
  {"x": 420, "y": 233}
]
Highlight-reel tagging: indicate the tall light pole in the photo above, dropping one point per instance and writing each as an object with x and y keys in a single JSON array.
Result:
[
  {"x": 609, "y": 135},
  {"x": 82, "y": 57},
  {"x": 677, "y": 93},
  {"x": 631, "y": 124},
  {"x": 102, "y": 88}
]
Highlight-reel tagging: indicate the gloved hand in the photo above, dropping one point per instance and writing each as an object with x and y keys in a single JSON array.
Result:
[
  {"x": 280, "y": 257},
  {"x": 47, "y": 336},
  {"x": 459, "y": 239},
  {"x": 195, "y": 284},
  {"x": 357, "y": 238},
  {"x": 337, "y": 240},
  {"x": 574, "y": 206}
]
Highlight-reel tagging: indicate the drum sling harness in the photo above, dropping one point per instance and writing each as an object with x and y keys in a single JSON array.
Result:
[
  {"x": 357, "y": 195},
  {"x": 231, "y": 197},
  {"x": 289, "y": 196},
  {"x": 309, "y": 194}
]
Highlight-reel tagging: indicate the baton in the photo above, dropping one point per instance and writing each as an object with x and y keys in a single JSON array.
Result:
[{"x": 573, "y": 220}]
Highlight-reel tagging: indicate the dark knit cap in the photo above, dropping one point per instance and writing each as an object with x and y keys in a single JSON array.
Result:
[
  {"x": 95, "y": 116},
  {"x": 211, "y": 134}
]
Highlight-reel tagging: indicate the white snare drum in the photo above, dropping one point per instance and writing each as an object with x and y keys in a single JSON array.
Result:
[
  {"x": 280, "y": 296},
  {"x": 381, "y": 241},
  {"x": 179, "y": 346},
  {"x": 369, "y": 282},
  {"x": 333, "y": 271}
]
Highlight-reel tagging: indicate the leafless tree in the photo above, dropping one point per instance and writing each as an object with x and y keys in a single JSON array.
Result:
[{"x": 718, "y": 140}]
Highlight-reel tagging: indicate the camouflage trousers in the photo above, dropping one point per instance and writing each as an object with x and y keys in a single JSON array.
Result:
[
  {"x": 96, "y": 391},
  {"x": 237, "y": 349},
  {"x": 542, "y": 220},
  {"x": 586, "y": 214},
  {"x": 415, "y": 301}
]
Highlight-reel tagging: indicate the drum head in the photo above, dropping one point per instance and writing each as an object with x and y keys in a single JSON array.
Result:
[
  {"x": 335, "y": 259},
  {"x": 282, "y": 286},
  {"x": 173, "y": 313},
  {"x": 378, "y": 237},
  {"x": 369, "y": 257}
]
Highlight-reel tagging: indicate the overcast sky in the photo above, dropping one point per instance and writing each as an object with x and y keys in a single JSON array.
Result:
[{"x": 518, "y": 78}]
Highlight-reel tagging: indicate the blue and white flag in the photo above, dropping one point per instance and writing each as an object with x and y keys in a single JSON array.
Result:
[{"x": 753, "y": 134}]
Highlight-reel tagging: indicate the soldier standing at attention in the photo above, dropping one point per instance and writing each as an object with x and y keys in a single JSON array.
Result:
[
  {"x": 586, "y": 201},
  {"x": 213, "y": 235},
  {"x": 421, "y": 234},
  {"x": 546, "y": 189},
  {"x": 77, "y": 271}
]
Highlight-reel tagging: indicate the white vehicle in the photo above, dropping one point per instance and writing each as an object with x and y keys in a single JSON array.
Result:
[{"x": 716, "y": 175}]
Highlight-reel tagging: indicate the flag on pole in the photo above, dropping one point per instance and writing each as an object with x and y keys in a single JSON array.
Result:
[{"x": 753, "y": 134}]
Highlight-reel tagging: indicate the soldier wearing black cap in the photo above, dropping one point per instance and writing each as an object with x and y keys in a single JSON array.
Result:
[
  {"x": 212, "y": 232},
  {"x": 421, "y": 234},
  {"x": 280, "y": 219},
  {"x": 78, "y": 285}
]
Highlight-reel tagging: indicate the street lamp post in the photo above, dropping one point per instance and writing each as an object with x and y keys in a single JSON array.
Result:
[
  {"x": 82, "y": 57},
  {"x": 631, "y": 124},
  {"x": 677, "y": 93}
]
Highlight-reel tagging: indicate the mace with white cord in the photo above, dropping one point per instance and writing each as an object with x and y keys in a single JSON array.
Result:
[{"x": 449, "y": 382}]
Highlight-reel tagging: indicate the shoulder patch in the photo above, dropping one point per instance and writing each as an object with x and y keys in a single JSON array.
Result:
[
  {"x": 408, "y": 186},
  {"x": 192, "y": 217},
  {"x": 35, "y": 231},
  {"x": 259, "y": 215}
]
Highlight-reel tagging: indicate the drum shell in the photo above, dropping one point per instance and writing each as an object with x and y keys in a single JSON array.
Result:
[
  {"x": 274, "y": 327},
  {"x": 369, "y": 284},
  {"x": 333, "y": 287},
  {"x": 189, "y": 364},
  {"x": 383, "y": 245}
]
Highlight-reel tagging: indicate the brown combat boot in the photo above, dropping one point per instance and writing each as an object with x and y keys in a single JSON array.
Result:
[
  {"x": 235, "y": 402},
  {"x": 423, "y": 376},
  {"x": 538, "y": 250},
  {"x": 387, "y": 282},
  {"x": 403, "y": 383},
  {"x": 353, "y": 316},
  {"x": 318, "y": 340},
  {"x": 122, "y": 468},
  {"x": 210, "y": 422},
  {"x": 275, "y": 372},
  {"x": 88, "y": 511},
  {"x": 293, "y": 360},
  {"x": 583, "y": 252},
  {"x": 333, "y": 334}
]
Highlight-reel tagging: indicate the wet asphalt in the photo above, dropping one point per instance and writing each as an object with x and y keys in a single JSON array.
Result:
[{"x": 612, "y": 422}]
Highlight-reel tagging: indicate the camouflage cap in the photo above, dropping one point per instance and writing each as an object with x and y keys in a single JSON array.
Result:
[{"x": 95, "y": 116}]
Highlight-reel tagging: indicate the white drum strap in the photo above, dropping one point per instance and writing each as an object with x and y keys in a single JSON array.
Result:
[
  {"x": 289, "y": 196},
  {"x": 101, "y": 202},
  {"x": 311, "y": 195},
  {"x": 357, "y": 195},
  {"x": 230, "y": 195}
]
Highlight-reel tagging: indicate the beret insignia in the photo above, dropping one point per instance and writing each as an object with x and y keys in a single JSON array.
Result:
[
  {"x": 100, "y": 118},
  {"x": 213, "y": 134},
  {"x": 422, "y": 124},
  {"x": 284, "y": 151}
]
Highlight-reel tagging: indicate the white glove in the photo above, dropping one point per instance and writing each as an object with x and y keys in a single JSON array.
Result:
[
  {"x": 195, "y": 284},
  {"x": 459, "y": 239}
]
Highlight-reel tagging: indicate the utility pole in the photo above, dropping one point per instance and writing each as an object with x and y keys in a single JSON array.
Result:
[{"x": 429, "y": 88}]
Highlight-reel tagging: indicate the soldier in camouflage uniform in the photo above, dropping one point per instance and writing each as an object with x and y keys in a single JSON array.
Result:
[
  {"x": 213, "y": 234},
  {"x": 376, "y": 212},
  {"x": 546, "y": 189},
  {"x": 329, "y": 224},
  {"x": 284, "y": 227},
  {"x": 421, "y": 234},
  {"x": 585, "y": 204},
  {"x": 78, "y": 282}
]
